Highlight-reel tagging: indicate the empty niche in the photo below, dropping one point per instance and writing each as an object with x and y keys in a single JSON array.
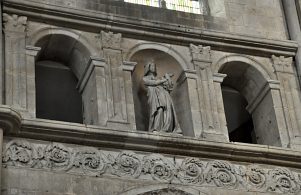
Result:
[
  {"x": 58, "y": 67},
  {"x": 165, "y": 63},
  {"x": 249, "y": 119}
]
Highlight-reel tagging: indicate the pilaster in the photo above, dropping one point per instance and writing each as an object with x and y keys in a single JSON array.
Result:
[
  {"x": 290, "y": 93},
  {"x": 211, "y": 124},
  {"x": 15, "y": 60}
]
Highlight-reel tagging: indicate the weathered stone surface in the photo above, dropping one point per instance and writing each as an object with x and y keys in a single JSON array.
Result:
[{"x": 241, "y": 44}]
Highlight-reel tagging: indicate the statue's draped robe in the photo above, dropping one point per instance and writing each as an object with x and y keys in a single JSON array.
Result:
[{"x": 162, "y": 116}]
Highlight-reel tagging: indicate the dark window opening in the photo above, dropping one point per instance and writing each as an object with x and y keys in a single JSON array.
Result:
[
  {"x": 239, "y": 121},
  {"x": 57, "y": 97}
]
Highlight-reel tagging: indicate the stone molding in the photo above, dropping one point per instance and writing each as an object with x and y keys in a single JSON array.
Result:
[
  {"x": 14, "y": 23},
  {"x": 144, "y": 28},
  {"x": 91, "y": 161},
  {"x": 167, "y": 143}
]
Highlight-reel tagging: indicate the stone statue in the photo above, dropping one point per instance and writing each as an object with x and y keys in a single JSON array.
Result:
[{"x": 162, "y": 115}]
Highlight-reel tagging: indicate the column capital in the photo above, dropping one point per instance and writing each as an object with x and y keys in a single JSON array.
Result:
[
  {"x": 32, "y": 51},
  {"x": 14, "y": 23}
]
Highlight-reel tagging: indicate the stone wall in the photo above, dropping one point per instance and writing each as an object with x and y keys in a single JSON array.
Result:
[
  {"x": 106, "y": 43},
  {"x": 249, "y": 17}
]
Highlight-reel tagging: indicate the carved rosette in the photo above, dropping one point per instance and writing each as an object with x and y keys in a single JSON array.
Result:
[
  {"x": 91, "y": 161},
  {"x": 222, "y": 174},
  {"x": 18, "y": 153},
  {"x": 14, "y": 23},
  {"x": 127, "y": 164},
  {"x": 191, "y": 171},
  {"x": 159, "y": 168},
  {"x": 58, "y": 157},
  {"x": 283, "y": 181},
  {"x": 256, "y": 177}
]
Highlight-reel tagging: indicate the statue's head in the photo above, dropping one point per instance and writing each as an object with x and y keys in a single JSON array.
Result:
[{"x": 150, "y": 68}]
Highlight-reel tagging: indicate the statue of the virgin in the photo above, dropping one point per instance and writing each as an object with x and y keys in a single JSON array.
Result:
[{"x": 162, "y": 115}]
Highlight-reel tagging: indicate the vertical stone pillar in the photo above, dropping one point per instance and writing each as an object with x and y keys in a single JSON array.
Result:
[
  {"x": 116, "y": 77},
  {"x": 290, "y": 96},
  {"x": 1, "y": 147},
  {"x": 293, "y": 24},
  {"x": 92, "y": 86},
  {"x": 31, "y": 54},
  {"x": 201, "y": 58},
  {"x": 1, "y": 60},
  {"x": 15, "y": 61},
  {"x": 218, "y": 80},
  {"x": 128, "y": 68}
]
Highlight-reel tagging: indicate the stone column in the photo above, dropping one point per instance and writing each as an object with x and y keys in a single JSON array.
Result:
[
  {"x": 120, "y": 115},
  {"x": 218, "y": 80},
  {"x": 211, "y": 124},
  {"x": 293, "y": 23},
  {"x": 92, "y": 86},
  {"x": 128, "y": 68},
  {"x": 290, "y": 96},
  {"x": 31, "y": 54},
  {"x": 15, "y": 61},
  {"x": 1, "y": 147},
  {"x": 1, "y": 59}
]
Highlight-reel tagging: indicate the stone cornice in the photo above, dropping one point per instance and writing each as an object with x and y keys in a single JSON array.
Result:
[
  {"x": 88, "y": 19},
  {"x": 160, "y": 143}
]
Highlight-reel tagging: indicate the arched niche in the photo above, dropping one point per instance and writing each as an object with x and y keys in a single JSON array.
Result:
[
  {"x": 249, "y": 104},
  {"x": 165, "y": 64},
  {"x": 59, "y": 66}
]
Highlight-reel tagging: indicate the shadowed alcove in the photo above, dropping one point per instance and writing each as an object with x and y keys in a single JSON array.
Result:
[
  {"x": 165, "y": 64},
  {"x": 59, "y": 66},
  {"x": 248, "y": 105}
]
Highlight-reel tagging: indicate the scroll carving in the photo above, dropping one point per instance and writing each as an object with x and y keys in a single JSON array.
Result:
[
  {"x": 188, "y": 171},
  {"x": 14, "y": 22}
]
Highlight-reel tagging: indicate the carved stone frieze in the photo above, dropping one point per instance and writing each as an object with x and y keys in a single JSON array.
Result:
[
  {"x": 14, "y": 22},
  {"x": 189, "y": 171},
  {"x": 282, "y": 64}
]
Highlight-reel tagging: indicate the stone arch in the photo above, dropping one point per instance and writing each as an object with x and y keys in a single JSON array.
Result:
[
  {"x": 161, "y": 47},
  {"x": 249, "y": 83},
  {"x": 80, "y": 48},
  {"x": 39, "y": 34},
  {"x": 219, "y": 65},
  {"x": 162, "y": 190}
]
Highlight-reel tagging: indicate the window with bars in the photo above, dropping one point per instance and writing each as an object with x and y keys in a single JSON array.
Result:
[{"x": 191, "y": 6}]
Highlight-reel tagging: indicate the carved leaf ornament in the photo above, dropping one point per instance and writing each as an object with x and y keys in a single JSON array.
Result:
[{"x": 127, "y": 164}]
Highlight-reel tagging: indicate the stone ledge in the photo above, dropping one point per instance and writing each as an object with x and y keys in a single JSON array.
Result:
[
  {"x": 159, "y": 143},
  {"x": 164, "y": 32}
]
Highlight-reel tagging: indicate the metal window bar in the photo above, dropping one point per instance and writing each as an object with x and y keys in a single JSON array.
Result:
[{"x": 191, "y": 6}]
